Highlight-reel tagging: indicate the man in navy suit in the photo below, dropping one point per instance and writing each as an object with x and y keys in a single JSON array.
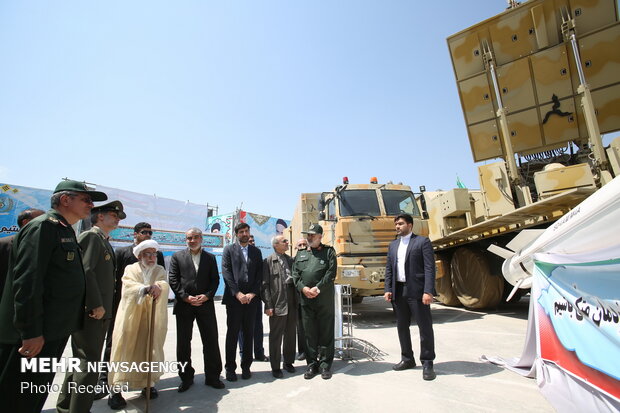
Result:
[
  {"x": 194, "y": 279},
  {"x": 410, "y": 286},
  {"x": 242, "y": 270}
]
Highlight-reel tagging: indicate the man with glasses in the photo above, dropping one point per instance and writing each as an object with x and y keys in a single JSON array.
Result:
[
  {"x": 281, "y": 300},
  {"x": 194, "y": 279},
  {"x": 124, "y": 256},
  {"x": 43, "y": 299},
  {"x": 314, "y": 271},
  {"x": 99, "y": 266}
]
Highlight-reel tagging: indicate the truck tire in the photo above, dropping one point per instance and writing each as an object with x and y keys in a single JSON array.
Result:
[
  {"x": 473, "y": 283},
  {"x": 443, "y": 286}
]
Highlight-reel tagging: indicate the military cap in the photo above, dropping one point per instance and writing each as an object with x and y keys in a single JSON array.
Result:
[
  {"x": 75, "y": 186},
  {"x": 314, "y": 229},
  {"x": 114, "y": 206}
]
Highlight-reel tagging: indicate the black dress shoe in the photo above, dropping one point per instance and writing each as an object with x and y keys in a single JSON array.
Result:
[
  {"x": 404, "y": 365},
  {"x": 154, "y": 393},
  {"x": 301, "y": 356},
  {"x": 185, "y": 385},
  {"x": 326, "y": 374},
  {"x": 277, "y": 374},
  {"x": 310, "y": 373},
  {"x": 261, "y": 358},
  {"x": 216, "y": 384},
  {"x": 116, "y": 401},
  {"x": 289, "y": 367},
  {"x": 428, "y": 373},
  {"x": 246, "y": 374},
  {"x": 231, "y": 376}
]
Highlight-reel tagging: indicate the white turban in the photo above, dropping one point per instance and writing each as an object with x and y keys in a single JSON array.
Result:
[{"x": 149, "y": 243}]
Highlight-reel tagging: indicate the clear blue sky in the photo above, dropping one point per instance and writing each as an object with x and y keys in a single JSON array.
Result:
[{"x": 231, "y": 102}]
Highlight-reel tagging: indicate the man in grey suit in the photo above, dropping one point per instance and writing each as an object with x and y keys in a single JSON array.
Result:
[
  {"x": 410, "y": 286},
  {"x": 281, "y": 301},
  {"x": 242, "y": 269},
  {"x": 99, "y": 265},
  {"x": 194, "y": 279}
]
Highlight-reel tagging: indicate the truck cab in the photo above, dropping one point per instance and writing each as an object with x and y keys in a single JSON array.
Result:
[{"x": 358, "y": 221}]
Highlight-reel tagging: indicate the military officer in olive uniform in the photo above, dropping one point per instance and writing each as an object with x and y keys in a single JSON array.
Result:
[
  {"x": 43, "y": 299},
  {"x": 99, "y": 266},
  {"x": 314, "y": 271}
]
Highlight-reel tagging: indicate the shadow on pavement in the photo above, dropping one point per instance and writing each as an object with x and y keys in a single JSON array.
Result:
[{"x": 466, "y": 368}]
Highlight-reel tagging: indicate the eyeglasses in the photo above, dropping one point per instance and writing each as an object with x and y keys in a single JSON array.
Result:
[
  {"x": 284, "y": 241},
  {"x": 149, "y": 254},
  {"x": 146, "y": 232},
  {"x": 300, "y": 246}
]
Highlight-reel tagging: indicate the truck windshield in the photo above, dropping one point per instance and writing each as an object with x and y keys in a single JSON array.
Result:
[
  {"x": 399, "y": 202},
  {"x": 359, "y": 202}
]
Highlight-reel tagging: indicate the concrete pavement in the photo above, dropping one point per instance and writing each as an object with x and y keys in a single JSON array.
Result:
[{"x": 463, "y": 383}]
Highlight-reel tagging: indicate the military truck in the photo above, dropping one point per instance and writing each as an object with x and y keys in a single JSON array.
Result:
[
  {"x": 538, "y": 84},
  {"x": 358, "y": 221}
]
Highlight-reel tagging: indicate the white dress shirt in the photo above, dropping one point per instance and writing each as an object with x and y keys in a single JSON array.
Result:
[
  {"x": 196, "y": 259},
  {"x": 400, "y": 257},
  {"x": 244, "y": 250}
]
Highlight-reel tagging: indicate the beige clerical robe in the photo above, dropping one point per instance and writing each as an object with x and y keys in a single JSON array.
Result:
[{"x": 131, "y": 328}]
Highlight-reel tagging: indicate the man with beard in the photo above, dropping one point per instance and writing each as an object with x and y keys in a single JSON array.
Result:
[
  {"x": 410, "y": 286},
  {"x": 99, "y": 265},
  {"x": 194, "y": 279},
  {"x": 43, "y": 299},
  {"x": 259, "y": 350},
  {"x": 124, "y": 256},
  {"x": 242, "y": 266},
  {"x": 143, "y": 283},
  {"x": 314, "y": 271}
]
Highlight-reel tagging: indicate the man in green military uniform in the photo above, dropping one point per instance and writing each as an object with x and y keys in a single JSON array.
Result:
[
  {"x": 43, "y": 299},
  {"x": 314, "y": 271},
  {"x": 99, "y": 266}
]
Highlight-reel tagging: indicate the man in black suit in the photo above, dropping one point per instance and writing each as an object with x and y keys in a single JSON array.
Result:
[
  {"x": 410, "y": 286},
  {"x": 124, "y": 256},
  {"x": 242, "y": 269},
  {"x": 23, "y": 218},
  {"x": 194, "y": 279}
]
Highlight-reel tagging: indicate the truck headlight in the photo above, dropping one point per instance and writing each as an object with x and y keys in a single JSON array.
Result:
[{"x": 351, "y": 273}]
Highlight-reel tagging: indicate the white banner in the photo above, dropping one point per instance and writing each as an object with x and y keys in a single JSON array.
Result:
[{"x": 161, "y": 213}]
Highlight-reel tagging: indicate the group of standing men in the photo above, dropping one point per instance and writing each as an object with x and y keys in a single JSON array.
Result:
[{"x": 59, "y": 286}]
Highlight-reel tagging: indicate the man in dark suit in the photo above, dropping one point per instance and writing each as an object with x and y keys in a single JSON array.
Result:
[
  {"x": 194, "y": 279},
  {"x": 124, "y": 256},
  {"x": 99, "y": 265},
  {"x": 242, "y": 269},
  {"x": 410, "y": 286},
  {"x": 23, "y": 218}
]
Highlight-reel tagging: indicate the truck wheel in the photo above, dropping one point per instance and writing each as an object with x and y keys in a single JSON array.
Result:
[
  {"x": 473, "y": 283},
  {"x": 443, "y": 285}
]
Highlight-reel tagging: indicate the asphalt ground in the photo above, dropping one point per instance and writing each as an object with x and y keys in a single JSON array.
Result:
[{"x": 463, "y": 383}]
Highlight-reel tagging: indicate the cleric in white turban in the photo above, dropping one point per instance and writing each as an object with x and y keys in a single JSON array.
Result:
[{"x": 143, "y": 282}]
